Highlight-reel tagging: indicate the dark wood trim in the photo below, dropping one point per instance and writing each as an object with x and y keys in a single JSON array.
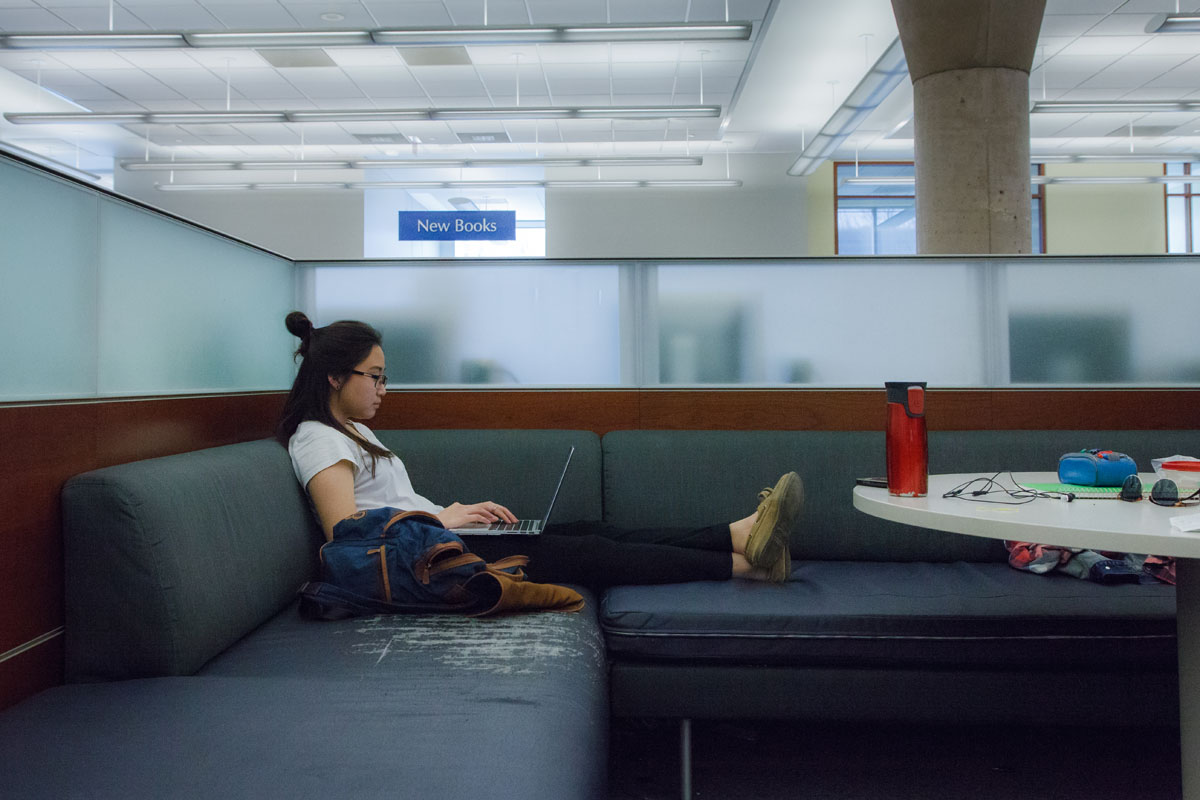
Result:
[{"x": 603, "y": 410}]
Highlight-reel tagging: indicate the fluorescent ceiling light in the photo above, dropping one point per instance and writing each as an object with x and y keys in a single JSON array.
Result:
[
  {"x": 364, "y": 115},
  {"x": 1061, "y": 158},
  {"x": 884, "y": 75},
  {"x": 597, "y": 184},
  {"x": 1113, "y": 106},
  {"x": 1174, "y": 23},
  {"x": 205, "y": 117},
  {"x": 1046, "y": 180},
  {"x": 47, "y": 161},
  {"x": 411, "y": 37},
  {"x": 90, "y": 41},
  {"x": 161, "y": 165},
  {"x": 278, "y": 38}
]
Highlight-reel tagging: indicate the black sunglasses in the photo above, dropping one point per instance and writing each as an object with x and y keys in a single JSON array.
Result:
[{"x": 1164, "y": 492}]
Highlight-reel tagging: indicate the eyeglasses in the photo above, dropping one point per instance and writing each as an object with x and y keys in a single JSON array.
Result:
[
  {"x": 379, "y": 379},
  {"x": 1164, "y": 492}
]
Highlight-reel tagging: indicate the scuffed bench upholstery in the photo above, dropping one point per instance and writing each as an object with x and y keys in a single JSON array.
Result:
[
  {"x": 192, "y": 674},
  {"x": 880, "y": 621},
  {"x": 181, "y": 580}
]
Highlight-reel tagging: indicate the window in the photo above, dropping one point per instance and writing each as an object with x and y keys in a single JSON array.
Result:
[
  {"x": 875, "y": 209},
  {"x": 1183, "y": 212}
]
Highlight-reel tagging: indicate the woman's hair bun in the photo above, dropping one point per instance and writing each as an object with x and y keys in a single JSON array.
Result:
[{"x": 298, "y": 324}]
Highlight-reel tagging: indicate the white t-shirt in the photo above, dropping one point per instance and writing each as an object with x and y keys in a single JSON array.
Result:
[{"x": 315, "y": 446}]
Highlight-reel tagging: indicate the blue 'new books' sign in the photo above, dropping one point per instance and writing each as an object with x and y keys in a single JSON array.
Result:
[{"x": 425, "y": 226}]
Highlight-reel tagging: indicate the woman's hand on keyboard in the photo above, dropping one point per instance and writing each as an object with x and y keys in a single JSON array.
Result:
[{"x": 457, "y": 515}]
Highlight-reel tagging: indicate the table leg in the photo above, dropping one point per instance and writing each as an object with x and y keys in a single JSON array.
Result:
[{"x": 1187, "y": 624}]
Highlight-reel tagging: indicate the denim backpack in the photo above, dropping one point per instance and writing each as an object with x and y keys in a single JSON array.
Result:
[{"x": 387, "y": 561}]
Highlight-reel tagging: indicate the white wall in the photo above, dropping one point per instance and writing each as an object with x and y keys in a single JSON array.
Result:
[
  {"x": 764, "y": 217},
  {"x": 305, "y": 224}
]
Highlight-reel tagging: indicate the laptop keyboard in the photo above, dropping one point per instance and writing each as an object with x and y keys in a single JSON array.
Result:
[{"x": 521, "y": 526}]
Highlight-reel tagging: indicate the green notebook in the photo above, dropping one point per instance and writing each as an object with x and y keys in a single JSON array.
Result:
[{"x": 1081, "y": 492}]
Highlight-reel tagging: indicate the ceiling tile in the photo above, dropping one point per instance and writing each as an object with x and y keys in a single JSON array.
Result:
[
  {"x": 193, "y": 83},
  {"x": 250, "y": 15},
  {"x": 30, "y": 20},
  {"x": 1171, "y": 44},
  {"x": 1068, "y": 24},
  {"x": 1104, "y": 45},
  {"x": 222, "y": 58},
  {"x": 655, "y": 10},
  {"x": 29, "y": 59},
  {"x": 160, "y": 59},
  {"x": 1122, "y": 25},
  {"x": 259, "y": 85},
  {"x": 385, "y": 82},
  {"x": 92, "y": 59},
  {"x": 573, "y": 53},
  {"x": 1130, "y": 72},
  {"x": 308, "y": 14},
  {"x": 95, "y": 18},
  {"x": 134, "y": 84},
  {"x": 413, "y": 14},
  {"x": 1185, "y": 76},
  {"x": 499, "y": 12},
  {"x": 365, "y": 56},
  {"x": 327, "y": 83},
  {"x": 173, "y": 16}
]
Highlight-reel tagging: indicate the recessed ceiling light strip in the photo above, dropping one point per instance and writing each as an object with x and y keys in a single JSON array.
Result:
[
  {"x": 412, "y": 37},
  {"x": 1113, "y": 106},
  {"x": 873, "y": 89},
  {"x": 616, "y": 161},
  {"x": 608, "y": 184},
  {"x": 363, "y": 115}
]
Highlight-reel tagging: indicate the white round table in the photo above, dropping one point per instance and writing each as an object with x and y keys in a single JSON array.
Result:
[{"x": 1140, "y": 527}]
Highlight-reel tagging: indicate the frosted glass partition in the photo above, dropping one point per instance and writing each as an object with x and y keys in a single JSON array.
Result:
[
  {"x": 456, "y": 323},
  {"x": 48, "y": 282},
  {"x": 842, "y": 322},
  {"x": 826, "y": 323},
  {"x": 1114, "y": 321},
  {"x": 103, "y": 298}
]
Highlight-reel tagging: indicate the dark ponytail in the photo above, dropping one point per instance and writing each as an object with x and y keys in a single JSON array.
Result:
[{"x": 333, "y": 350}]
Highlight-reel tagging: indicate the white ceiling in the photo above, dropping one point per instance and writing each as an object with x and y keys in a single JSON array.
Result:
[{"x": 775, "y": 91}]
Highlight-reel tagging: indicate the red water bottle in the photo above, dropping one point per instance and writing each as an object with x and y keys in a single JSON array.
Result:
[{"x": 907, "y": 444}]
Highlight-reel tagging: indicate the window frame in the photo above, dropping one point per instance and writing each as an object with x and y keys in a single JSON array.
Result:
[{"x": 1038, "y": 194}]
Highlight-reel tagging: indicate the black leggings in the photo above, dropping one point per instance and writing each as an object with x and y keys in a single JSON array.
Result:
[{"x": 598, "y": 555}]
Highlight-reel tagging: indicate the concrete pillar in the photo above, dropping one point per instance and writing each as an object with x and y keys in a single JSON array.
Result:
[{"x": 969, "y": 61}]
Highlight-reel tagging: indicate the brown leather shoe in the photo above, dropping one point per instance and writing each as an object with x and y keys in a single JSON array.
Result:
[{"x": 778, "y": 509}]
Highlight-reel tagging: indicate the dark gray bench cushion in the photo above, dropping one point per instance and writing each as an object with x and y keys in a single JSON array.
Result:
[
  {"x": 917, "y": 615},
  {"x": 701, "y": 477},
  {"x": 312, "y": 737},
  {"x": 169, "y": 561}
]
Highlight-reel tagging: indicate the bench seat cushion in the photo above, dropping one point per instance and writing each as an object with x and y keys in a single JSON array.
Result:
[
  {"x": 333, "y": 737},
  {"x": 897, "y": 615},
  {"x": 389, "y": 706}
]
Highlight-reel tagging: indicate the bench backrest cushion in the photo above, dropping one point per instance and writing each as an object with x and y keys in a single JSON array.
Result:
[
  {"x": 171, "y": 560},
  {"x": 665, "y": 478},
  {"x": 517, "y": 468}
]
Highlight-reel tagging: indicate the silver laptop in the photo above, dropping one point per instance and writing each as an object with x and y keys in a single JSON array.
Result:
[{"x": 528, "y": 527}]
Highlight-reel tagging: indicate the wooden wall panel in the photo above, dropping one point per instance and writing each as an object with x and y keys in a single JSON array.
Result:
[
  {"x": 44, "y": 444},
  {"x": 599, "y": 410}
]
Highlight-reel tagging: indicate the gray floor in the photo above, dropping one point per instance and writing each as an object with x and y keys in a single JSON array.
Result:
[{"x": 769, "y": 760}]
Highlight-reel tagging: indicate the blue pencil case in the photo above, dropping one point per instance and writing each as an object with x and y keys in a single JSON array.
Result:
[{"x": 1095, "y": 468}]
